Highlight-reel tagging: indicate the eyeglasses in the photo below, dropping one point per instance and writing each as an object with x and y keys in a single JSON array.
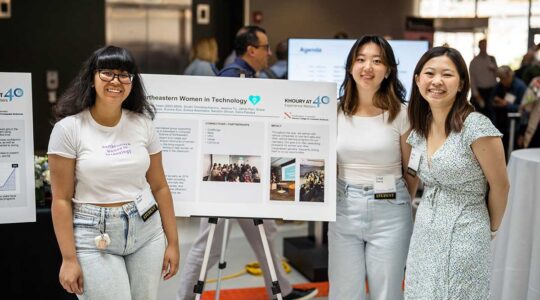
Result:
[
  {"x": 265, "y": 47},
  {"x": 109, "y": 75}
]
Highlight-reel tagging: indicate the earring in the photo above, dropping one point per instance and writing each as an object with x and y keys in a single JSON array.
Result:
[{"x": 386, "y": 76}]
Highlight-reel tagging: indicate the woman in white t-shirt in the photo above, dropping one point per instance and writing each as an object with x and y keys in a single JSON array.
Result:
[
  {"x": 112, "y": 208},
  {"x": 370, "y": 237}
]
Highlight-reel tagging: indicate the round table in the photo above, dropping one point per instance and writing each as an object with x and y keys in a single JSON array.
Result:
[{"x": 516, "y": 249}]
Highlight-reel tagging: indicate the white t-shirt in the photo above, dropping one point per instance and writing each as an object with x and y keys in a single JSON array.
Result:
[
  {"x": 370, "y": 146},
  {"x": 111, "y": 162}
]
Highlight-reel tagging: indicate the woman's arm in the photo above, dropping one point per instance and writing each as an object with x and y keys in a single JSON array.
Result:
[
  {"x": 412, "y": 181},
  {"x": 62, "y": 182},
  {"x": 489, "y": 152},
  {"x": 162, "y": 194}
]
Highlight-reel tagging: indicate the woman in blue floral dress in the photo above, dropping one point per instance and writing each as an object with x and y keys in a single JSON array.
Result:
[{"x": 461, "y": 154}]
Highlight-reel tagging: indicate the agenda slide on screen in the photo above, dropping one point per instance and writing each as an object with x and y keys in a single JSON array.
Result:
[
  {"x": 17, "y": 196},
  {"x": 242, "y": 147},
  {"x": 324, "y": 59}
]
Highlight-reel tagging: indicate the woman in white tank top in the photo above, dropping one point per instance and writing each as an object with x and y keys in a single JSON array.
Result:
[{"x": 370, "y": 238}]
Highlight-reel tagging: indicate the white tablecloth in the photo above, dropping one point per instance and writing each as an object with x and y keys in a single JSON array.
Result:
[{"x": 516, "y": 249}]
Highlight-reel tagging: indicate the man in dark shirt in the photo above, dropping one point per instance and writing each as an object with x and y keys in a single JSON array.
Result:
[
  {"x": 507, "y": 97},
  {"x": 253, "y": 50}
]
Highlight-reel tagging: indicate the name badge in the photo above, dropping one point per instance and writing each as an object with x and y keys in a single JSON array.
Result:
[
  {"x": 511, "y": 98},
  {"x": 414, "y": 162},
  {"x": 146, "y": 204},
  {"x": 384, "y": 187}
]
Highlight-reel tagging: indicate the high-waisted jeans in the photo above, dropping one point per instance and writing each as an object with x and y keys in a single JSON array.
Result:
[
  {"x": 130, "y": 267},
  {"x": 370, "y": 238}
]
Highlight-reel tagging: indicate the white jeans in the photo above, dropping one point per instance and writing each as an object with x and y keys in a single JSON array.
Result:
[
  {"x": 192, "y": 268},
  {"x": 130, "y": 267},
  {"x": 369, "y": 238}
]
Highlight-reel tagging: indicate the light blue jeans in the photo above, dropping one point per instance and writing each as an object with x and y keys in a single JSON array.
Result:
[
  {"x": 130, "y": 267},
  {"x": 370, "y": 238}
]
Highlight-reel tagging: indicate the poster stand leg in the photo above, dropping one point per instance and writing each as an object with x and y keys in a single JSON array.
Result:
[
  {"x": 276, "y": 290},
  {"x": 222, "y": 264},
  {"x": 199, "y": 287}
]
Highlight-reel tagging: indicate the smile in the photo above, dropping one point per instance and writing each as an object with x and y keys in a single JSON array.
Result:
[{"x": 113, "y": 90}]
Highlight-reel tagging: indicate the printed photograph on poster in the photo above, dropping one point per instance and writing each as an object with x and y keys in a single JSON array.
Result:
[
  {"x": 311, "y": 180},
  {"x": 282, "y": 178},
  {"x": 231, "y": 168}
]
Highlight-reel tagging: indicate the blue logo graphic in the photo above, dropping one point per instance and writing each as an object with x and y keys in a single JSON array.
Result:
[
  {"x": 321, "y": 100},
  {"x": 254, "y": 99},
  {"x": 12, "y": 93}
]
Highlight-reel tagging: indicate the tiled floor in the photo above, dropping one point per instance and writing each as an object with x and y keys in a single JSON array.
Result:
[{"x": 237, "y": 256}]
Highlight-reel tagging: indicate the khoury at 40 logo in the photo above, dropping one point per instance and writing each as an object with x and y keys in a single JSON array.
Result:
[{"x": 9, "y": 95}]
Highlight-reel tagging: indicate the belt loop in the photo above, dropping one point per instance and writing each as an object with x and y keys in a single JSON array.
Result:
[{"x": 346, "y": 189}]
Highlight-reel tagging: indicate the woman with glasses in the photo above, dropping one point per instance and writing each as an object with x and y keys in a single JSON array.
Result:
[
  {"x": 370, "y": 237},
  {"x": 112, "y": 209}
]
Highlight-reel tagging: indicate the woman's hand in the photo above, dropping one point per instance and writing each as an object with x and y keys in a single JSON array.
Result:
[
  {"x": 71, "y": 277},
  {"x": 171, "y": 260}
]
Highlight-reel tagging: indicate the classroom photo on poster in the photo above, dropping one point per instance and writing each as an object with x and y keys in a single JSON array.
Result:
[{"x": 283, "y": 178}]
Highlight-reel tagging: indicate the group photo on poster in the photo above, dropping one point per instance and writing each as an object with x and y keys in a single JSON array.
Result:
[
  {"x": 312, "y": 180},
  {"x": 232, "y": 168}
]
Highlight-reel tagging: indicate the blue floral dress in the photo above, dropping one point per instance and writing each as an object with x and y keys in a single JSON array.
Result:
[{"x": 450, "y": 246}]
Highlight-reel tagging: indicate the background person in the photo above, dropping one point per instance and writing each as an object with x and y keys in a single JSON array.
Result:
[
  {"x": 279, "y": 69},
  {"x": 205, "y": 56},
  {"x": 483, "y": 72},
  {"x": 370, "y": 237},
  {"x": 507, "y": 97},
  {"x": 104, "y": 154},
  {"x": 461, "y": 153}
]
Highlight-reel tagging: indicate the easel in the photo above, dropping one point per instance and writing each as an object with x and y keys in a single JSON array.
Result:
[{"x": 199, "y": 287}]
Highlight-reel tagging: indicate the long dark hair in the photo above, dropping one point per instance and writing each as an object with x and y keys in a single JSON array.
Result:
[
  {"x": 419, "y": 111},
  {"x": 391, "y": 93},
  {"x": 81, "y": 95}
]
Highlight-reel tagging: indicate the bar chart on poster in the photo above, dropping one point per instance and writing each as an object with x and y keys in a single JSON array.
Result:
[{"x": 9, "y": 178}]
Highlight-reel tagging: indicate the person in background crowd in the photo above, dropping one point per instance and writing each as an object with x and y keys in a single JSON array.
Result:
[
  {"x": 459, "y": 153},
  {"x": 533, "y": 70},
  {"x": 205, "y": 56},
  {"x": 483, "y": 70},
  {"x": 253, "y": 50},
  {"x": 370, "y": 237},
  {"x": 341, "y": 35},
  {"x": 232, "y": 56},
  {"x": 530, "y": 111},
  {"x": 507, "y": 97},
  {"x": 107, "y": 175},
  {"x": 526, "y": 61},
  {"x": 279, "y": 69}
]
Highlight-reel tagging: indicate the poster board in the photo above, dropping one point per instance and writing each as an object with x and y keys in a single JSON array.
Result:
[
  {"x": 226, "y": 140},
  {"x": 324, "y": 59},
  {"x": 17, "y": 196}
]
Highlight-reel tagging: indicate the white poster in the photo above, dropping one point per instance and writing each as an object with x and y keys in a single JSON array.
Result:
[
  {"x": 17, "y": 196},
  {"x": 254, "y": 148}
]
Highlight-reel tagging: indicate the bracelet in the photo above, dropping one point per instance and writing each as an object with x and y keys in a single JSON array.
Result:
[{"x": 494, "y": 232}]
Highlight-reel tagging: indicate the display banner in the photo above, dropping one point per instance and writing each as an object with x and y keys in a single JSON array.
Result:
[
  {"x": 252, "y": 148},
  {"x": 17, "y": 185}
]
